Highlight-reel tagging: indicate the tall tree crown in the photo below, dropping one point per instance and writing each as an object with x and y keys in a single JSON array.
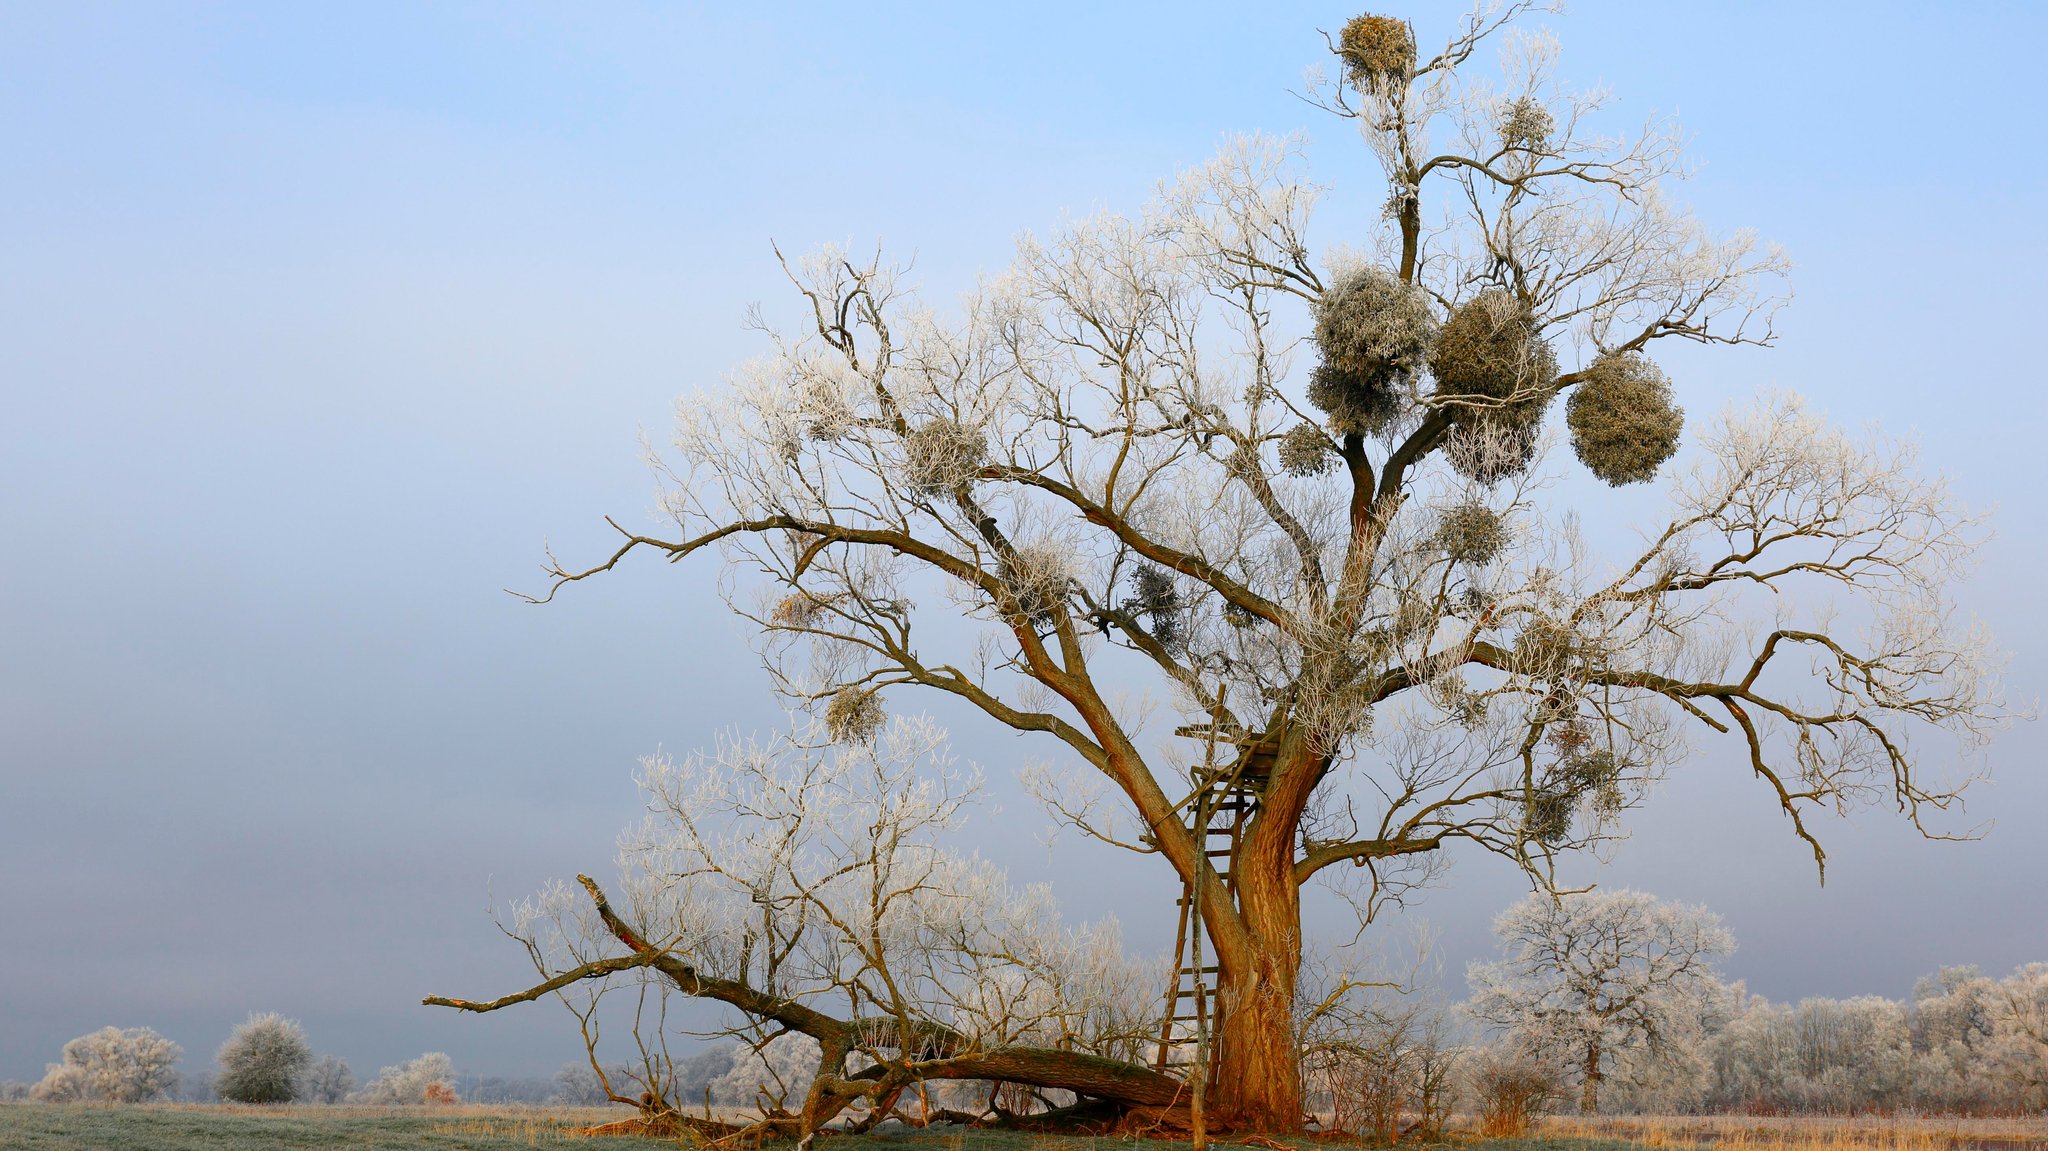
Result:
[{"x": 1180, "y": 464}]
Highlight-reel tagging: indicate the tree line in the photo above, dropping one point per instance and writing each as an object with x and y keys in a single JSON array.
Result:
[{"x": 266, "y": 1059}]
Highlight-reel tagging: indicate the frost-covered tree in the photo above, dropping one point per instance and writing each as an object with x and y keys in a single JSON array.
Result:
[
  {"x": 770, "y": 1074},
  {"x": 811, "y": 887},
  {"x": 1817, "y": 1055},
  {"x": 328, "y": 1079},
  {"x": 2018, "y": 1007},
  {"x": 578, "y": 1084},
  {"x": 1189, "y": 495},
  {"x": 263, "y": 1061},
  {"x": 112, "y": 1066},
  {"x": 428, "y": 1079},
  {"x": 1596, "y": 974}
]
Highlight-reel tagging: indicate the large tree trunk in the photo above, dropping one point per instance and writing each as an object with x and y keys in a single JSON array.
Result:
[
  {"x": 1258, "y": 1074},
  {"x": 1258, "y": 1078}
]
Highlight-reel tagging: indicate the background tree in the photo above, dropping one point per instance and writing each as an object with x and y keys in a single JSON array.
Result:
[
  {"x": 427, "y": 1079},
  {"x": 328, "y": 1079},
  {"x": 1183, "y": 467},
  {"x": 1964, "y": 1043},
  {"x": 112, "y": 1066},
  {"x": 1594, "y": 974},
  {"x": 263, "y": 1061}
]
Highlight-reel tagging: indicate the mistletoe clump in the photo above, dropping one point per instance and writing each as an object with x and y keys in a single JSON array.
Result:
[
  {"x": 854, "y": 715},
  {"x": 1378, "y": 51},
  {"x": 1471, "y": 533},
  {"x": 1304, "y": 451},
  {"x": 1547, "y": 815},
  {"x": 1526, "y": 123},
  {"x": 1623, "y": 422},
  {"x": 1582, "y": 772},
  {"x": 1355, "y": 406},
  {"x": 1495, "y": 376},
  {"x": 799, "y": 609},
  {"x": 1490, "y": 356},
  {"x": 1545, "y": 646},
  {"x": 1373, "y": 330},
  {"x": 941, "y": 454},
  {"x": 1157, "y": 597},
  {"x": 1039, "y": 576}
]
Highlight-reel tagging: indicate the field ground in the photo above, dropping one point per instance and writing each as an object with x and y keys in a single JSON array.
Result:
[
  {"x": 193, "y": 1127},
  {"x": 1802, "y": 1133}
]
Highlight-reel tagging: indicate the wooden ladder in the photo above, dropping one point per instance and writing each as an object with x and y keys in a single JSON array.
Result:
[{"x": 1219, "y": 815}]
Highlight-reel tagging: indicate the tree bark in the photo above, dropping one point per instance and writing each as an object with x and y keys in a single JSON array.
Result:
[{"x": 1258, "y": 1082}]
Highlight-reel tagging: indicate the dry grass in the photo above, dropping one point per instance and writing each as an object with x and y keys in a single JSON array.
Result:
[
  {"x": 505, "y": 1127},
  {"x": 1804, "y": 1133},
  {"x": 221, "y": 1127}
]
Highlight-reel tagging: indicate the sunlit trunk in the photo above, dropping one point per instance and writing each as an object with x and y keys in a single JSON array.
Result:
[{"x": 1258, "y": 1077}]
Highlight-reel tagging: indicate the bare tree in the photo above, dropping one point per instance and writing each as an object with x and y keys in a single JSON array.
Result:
[
  {"x": 1181, "y": 475},
  {"x": 328, "y": 1079},
  {"x": 808, "y": 887},
  {"x": 112, "y": 1066},
  {"x": 1596, "y": 973},
  {"x": 263, "y": 1061},
  {"x": 2019, "y": 1028}
]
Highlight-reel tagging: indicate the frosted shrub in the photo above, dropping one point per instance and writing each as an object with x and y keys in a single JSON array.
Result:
[{"x": 263, "y": 1061}]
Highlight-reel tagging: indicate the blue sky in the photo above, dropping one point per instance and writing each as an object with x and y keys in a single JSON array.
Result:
[{"x": 317, "y": 324}]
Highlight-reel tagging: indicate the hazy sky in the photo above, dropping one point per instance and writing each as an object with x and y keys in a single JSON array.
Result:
[{"x": 316, "y": 324}]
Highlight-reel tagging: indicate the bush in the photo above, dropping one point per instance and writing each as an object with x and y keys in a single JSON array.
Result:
[
  {"x": 770, "y": 1075},
  {"x": 262, "y": 1061},
  {"x": 112, "y": 1066},
  {"x": 1510, "y": 1088},
  {"x": 577, "y": 1085}
]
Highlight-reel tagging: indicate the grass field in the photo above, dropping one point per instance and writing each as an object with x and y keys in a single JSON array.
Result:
[{"x": 191, "y": 1127}]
